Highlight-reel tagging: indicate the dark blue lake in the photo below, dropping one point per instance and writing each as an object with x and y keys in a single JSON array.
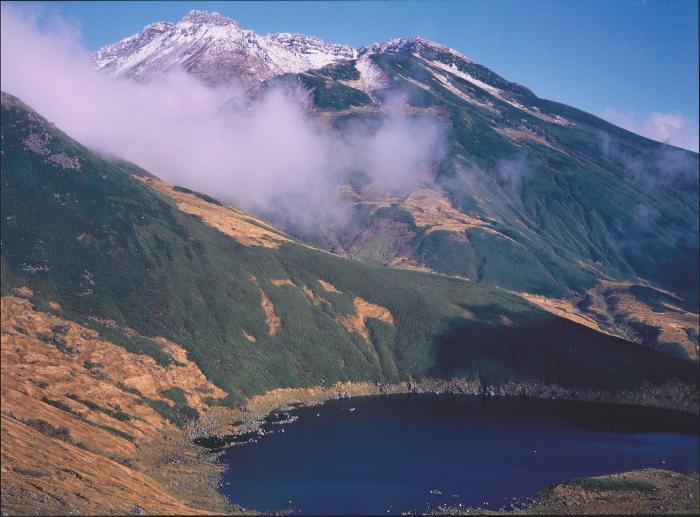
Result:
[{"x": 390, "y": 452}]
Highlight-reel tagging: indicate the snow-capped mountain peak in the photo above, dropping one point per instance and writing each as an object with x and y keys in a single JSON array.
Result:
[
  {"x": 415, "y": 45},
  {"x": 217, "y": 50},
  {"x": 196, "y": 16}
]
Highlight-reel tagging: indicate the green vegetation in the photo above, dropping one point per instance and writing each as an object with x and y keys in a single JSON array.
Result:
[
  {"x": 128, "y": 389},
  {"x": 333, "y": 95},
  {"x": 177, "y": 395},
  {"x": 206, "y": 198},
  {"x": 57, "y": 404},
  {"x": 343, "y": 70},
  {"x": 395, "y": 213},
  {"x": 115, "y": 254},
  {"x": 63, "y": 433},
  {"x": 45, "y": 428},
  {"x": 115, "y": 432},
  {"x": 119, "y": 415},
  {"x": 660, "y": 302},
  {"x": 613, "y": 485},
  {"x": 327, "y": 90},
  {"x": 563, "y": 196},
  {"x": 134, "y": 344},
  {"x": 178, "y": 414}
]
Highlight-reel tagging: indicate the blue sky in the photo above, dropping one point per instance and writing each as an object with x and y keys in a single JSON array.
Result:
[{"x": 623, "y": 59}]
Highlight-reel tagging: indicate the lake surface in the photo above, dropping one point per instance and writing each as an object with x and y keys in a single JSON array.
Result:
[{"x": 390, "y": 452}]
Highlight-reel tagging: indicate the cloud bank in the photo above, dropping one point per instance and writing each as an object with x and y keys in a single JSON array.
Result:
[
  {"x": 268, "y": 156},
  {"x": 669, "y": 128}
]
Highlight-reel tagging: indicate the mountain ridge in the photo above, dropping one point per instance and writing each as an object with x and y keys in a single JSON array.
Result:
[
  {"x": 562, "y": 197},
  {"x": 196, "y": 23},
  {"x": 107, "y": 57}
]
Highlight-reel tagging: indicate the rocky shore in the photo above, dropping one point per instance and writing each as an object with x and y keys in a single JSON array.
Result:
[
  {"x": 676, "y": 396},
  {"x": 638, "y": 492}
]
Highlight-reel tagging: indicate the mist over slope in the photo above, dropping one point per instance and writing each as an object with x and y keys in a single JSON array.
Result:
[
  {"x": 403, "y": 153},
  {"x": 117, "y": 249},
  {"x": 261, "y": 154}
]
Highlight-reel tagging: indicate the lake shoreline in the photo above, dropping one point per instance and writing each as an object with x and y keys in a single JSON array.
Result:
[
  {"x": 672, "y": 396},
  {"x": 281, "y": 404}
]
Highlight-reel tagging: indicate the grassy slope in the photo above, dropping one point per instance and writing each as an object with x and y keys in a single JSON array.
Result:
[
  {"x": 108, "y": 246},
  {"x": 76, "y": 437},
  {"x": 595, "y": 193}
]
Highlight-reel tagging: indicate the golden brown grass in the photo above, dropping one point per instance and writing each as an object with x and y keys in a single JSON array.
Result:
[
  {"x": 564, "y": 308},
  {"x": 327, "y": 286},
  {"x": 273, "y": 320},
  {"x": 363, "y": 310},
  {"x": 59, "y": 454},
  {"x": 234, "y": 223},
  {"x": 279, "y": 282},
  {"x": 626, "y": 309}
]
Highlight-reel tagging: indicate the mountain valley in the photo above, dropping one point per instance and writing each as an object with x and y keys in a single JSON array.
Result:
[{"x": 541, "y": 252}]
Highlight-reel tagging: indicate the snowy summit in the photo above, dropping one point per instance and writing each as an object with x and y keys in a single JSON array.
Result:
[{"x": 216, "y": 49}]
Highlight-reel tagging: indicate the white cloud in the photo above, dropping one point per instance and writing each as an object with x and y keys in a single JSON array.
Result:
[
  {"x": 266, "y": 156},
  {"x": 669, "y": 128}
]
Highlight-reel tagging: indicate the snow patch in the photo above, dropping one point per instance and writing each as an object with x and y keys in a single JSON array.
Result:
[
  {"x": 371, "y": 78},
  {"x": 459, "y": 93},
  {"x": 415, "y": 83},
  {"x": 452, "y": 69},
  {"x": 498, "y": 93}
]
